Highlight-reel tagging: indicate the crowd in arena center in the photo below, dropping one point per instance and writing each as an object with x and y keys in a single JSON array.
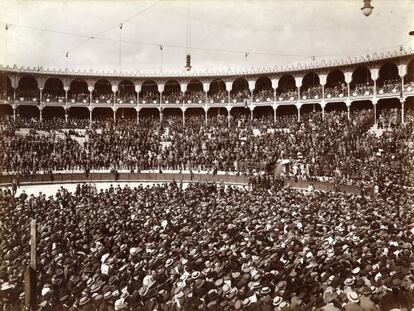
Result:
[{"x": 331, "y": 149}]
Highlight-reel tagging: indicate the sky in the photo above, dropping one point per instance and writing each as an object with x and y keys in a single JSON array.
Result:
[{"x": 219, "y": 35}]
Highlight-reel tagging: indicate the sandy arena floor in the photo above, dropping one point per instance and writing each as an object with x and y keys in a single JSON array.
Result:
[{"x": 52, "y": 189}]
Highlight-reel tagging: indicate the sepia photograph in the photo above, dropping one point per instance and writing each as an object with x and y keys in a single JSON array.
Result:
[{"x": 183, "y": 155}]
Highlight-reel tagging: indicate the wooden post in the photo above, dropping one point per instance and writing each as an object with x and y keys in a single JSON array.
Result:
[
  {"x": 30, "y": 273},
  {"x": 33, "y": 244}
]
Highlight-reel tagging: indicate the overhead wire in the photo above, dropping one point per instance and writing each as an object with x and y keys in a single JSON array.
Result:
[
  {"x": 98, "y": 36},
  {"x": 153, "y": 44}
]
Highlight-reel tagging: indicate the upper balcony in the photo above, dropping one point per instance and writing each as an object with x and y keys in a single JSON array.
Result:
[{"x": 377, "y": 75}]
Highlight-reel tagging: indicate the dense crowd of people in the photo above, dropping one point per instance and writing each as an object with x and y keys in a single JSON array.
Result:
[
  {"x": 264, "y": 95},
  {"x": 337, "y": 90},
  {"x": 389, "y": 87},
  {"x": 218, "y": 97},
  {"x": 291, "y": 94},
  {"x": 207, "y": 247},
  {"x": 103, "y": 98},
  {"x": 362, "y": 89},
  {"x": 312, "y": 92},
  {"x": 78, "y": 97},
  {"x": 240, "y": 96},
  {"x": 334, "y": 148},
  {"x": 195, "y": 96},
  {"x": 149, "y": 97}
]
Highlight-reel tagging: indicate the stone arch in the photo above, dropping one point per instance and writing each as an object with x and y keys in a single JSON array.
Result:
[
  {"x": 286, "y": 89},
  {"x": 240, "y": 90},
  {"x": 149, "y": 92},
  {"x": 217, "y": 92},
  {"x": 78, "y": 91},
  {"x": 6, "y": 89},
  {"x": 53, "y": 90},
  {"x": 28, "y": 89},
  {"x": 263, "y": 90}
]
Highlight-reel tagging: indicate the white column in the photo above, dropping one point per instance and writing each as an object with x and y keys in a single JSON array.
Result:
[
  {"x": 137, "y": 90},
  {"x": 374, "y": 77},
  {"x": 206, "y": 87},
  {"x": 90, "y": 89},
  {"x": 374, "y": 103},
  {"x": 298, "y": 81},
  {"x": 322, "y": 80},
  {"x": 323, "y": 105},
  {"x": 183, "y": 87},
  {"x": 229, "y": 86},
  {"x": 348, "y": 103},
  {"x": 40, "y": 113},
  {"x": 114, "y": 88},
  {"x": 275, "y": 83},
  {"x": 402, "y": 71},
  {"x": 252, "y": 84},
  {"x": 161, "y": 90},
  {"x": 348, "y": 80},
  {"x": 66, "y": 88},
  {"x": 402, "y": 111},
  {"x": 298, "y": 106}
]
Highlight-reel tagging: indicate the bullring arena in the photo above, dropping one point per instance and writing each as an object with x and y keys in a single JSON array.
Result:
[{"x": 278, "y": 188}]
